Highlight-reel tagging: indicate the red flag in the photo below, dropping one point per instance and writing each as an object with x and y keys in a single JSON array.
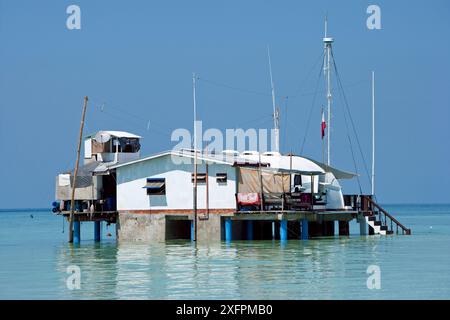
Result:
[{"x": 324, "y": 125}]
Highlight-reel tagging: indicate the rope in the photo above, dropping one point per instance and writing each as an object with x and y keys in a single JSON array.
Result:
[
  {"x": 218, "y": 84},
  {"x": 350, "y": 115},
  {"x": 306, "y": 78},
  {"x": 137, "y": 120},
  {"x": 351, "y": 145},
  {"x": 312, "y": 107},
  {"x": 265, "y": 117}
]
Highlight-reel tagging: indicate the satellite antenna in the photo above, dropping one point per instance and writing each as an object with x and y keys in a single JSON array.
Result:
[{"x": 102, "y": 137}]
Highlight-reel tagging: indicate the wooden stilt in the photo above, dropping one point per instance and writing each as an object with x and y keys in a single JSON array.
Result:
[{"x": 72, "y": 200}]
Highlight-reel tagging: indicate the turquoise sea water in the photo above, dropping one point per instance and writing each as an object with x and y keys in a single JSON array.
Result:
[{"x": 34, "y": 256}]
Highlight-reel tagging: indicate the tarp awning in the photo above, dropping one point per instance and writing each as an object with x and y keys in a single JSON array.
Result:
[
  {"x": 249, "y": 180},
  {"x": 293, "y": 171},
  {"x": 339, "y": 174}
]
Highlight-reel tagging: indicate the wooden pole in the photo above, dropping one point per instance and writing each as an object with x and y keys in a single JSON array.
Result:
[
  {"x": 290, "y": 172},
  {"x": 283, "y": 193},
  {"x": 373, "y": 134},
  {"x": 207, "y": 186},
  {"x": 195, "y": 155},
  {"x": 261, "y": 183},
  {"x": 72, "y": 199},
  {"x": 195, "y": 195}
]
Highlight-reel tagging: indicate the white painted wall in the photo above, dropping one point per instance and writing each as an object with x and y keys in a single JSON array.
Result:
[
  {"x": 121, "y": 156},
  {"x": 88, "y": 148},
  {"x": 179, "y": 188}
]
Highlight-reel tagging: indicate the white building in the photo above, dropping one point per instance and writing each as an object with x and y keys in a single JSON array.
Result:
[
  {"x": 139, "y": 181},
  {"x": 153, "y": 197}
]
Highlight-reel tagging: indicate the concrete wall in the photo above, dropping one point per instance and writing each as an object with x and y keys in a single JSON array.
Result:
[
  {"x": 209, "y": 230},
  {"x": 141, "y": 227},
  {"x": 179, "y": 188},
  {"x": 159, "y": 227}
]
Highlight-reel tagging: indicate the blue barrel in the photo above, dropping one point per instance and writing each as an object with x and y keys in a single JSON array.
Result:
[{"x": 110, "y": 204}]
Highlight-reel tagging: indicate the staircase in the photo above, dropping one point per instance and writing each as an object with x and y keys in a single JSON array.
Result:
[
  {"x": 380, "y": 220},
  {"x": 377, "y": 226}
]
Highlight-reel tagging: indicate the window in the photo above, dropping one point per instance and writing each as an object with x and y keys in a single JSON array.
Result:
[
  {"x": 155, "y": 186},
  {"x": 298, "y": 180},
  {"x": 201, "y": 177},
  {"x": 221, "y": 178}
]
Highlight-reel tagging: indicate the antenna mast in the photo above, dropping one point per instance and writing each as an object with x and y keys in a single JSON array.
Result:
[
  {"x": 276, "y": 112},
  {"x": 195, "y": 155},
  {"x": 328, "y": 41},
  {"x": 373, "y": 133}
]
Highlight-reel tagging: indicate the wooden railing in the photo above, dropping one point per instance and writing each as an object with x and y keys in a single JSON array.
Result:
[{"x": 386, "y": 216}]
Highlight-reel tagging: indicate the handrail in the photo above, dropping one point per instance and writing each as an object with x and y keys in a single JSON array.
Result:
[{"x": 398, "y": 223}]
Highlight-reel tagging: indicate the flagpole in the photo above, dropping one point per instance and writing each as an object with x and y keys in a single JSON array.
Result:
[
  {"x": 328, "y": 41},
  {"x": 276, "y": 115},
  {"x": 323, "y": 142}
]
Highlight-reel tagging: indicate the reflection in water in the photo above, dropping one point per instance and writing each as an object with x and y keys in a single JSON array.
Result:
[
  {"x": 412, "y": 267},
  {"x": 98, "y": 265},
  {"x": 333, "y": 268},
  {"x": 326, "y": 268}
]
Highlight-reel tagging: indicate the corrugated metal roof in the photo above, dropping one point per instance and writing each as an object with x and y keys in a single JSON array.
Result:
[
  {"x": 117, "y": 134},
  {"x": 92, "y": 168},
  {"x": 86, "y": 170},
  {"x": 187, "y": 154},
  {"x": 300, "y": 165}
]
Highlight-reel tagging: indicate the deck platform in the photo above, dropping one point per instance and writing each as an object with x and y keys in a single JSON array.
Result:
[
  {"x": 243, "y": 224},
  {"x": 294, "y": 215},
  {"x": 107, "y": 216}
]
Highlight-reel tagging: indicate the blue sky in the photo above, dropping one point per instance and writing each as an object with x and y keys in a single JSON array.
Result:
[{"x": 136, "y": 58}]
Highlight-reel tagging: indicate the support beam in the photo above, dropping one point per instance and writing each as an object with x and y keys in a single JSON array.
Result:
[
  {"x": 192, "y": 230},
  {"x": 97, "y": 230},
  {"x": 228, "y": 230},
  {"x": 283, "y": 230},
  {"x": 250, "y": 230},
  {"x": 273, "y": 230},
  {"x": 76, "y": 232},
  {"x": 305, "y": 231},
  {"x": 300, "y": 229},
  {"x": 362, "y": 225}
]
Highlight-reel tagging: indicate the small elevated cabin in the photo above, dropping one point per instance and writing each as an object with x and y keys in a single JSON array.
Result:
[
  {"x": 95, "y": 184},
  {"x": 111, "y": 146}
]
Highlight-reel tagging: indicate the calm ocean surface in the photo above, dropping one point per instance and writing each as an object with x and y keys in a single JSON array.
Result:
[{"x": 34, "y": 256}]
